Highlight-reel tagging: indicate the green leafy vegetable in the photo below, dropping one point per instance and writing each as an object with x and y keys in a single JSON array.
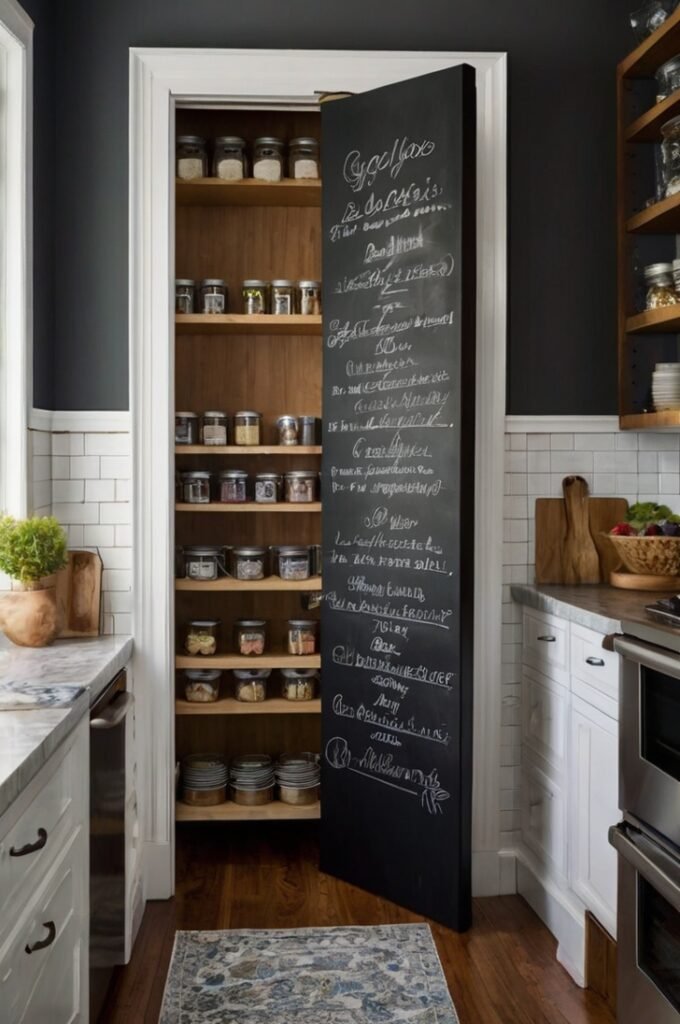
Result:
[
  {"x": 31, "y": 549},
  {"x": 643, "y": 513}
]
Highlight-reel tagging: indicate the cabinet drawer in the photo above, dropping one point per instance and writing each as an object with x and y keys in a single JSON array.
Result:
[
  {"x": 543, "y": 813},
  {"x": 546, "y": 644},
  {"x": 592, "y": 664},
  {"x": 545, "y": 717}
]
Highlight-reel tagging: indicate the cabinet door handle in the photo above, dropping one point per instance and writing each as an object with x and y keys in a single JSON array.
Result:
[
  {"x": 30, "y": 847},
  {"x": 32, "y": 947},
  {"x": 547, "y": 639},
  {"x": 597, "y": 662}
]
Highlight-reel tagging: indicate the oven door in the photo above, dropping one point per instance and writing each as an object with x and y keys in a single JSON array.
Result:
[
  {"x": 648, "y": 928},
  {"x": 649, "y": 735}
]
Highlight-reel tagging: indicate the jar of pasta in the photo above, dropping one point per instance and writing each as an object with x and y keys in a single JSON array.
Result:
[
  {"x": 248, "y": 563},
  {"x": 214, "y": 428},
  {"x": 233, "y": 486},
  {"x": 229, "y": 158},
  {"x": 247, "y": 428},
  {"x": 293, "y": 562},
  {"x": 196, "y": 487},
  {"x": 186, "y": 428},
  {"x": 303, "y": 636},
  {"x": 283, "y": 297},
  {"x": 299, "y": 485},
  {"x": 309, "y": 297},
  {"x": 192, "y": 158},
  {"x": 202, "y": 685},
  {"x": 251, "y": 684},
  {"x": 200, "y": 637},
  {"x": 303, "y": 158},
  {"x": 255, "y": 296},
  {"x": 268, "y": 488},
  {"x": 213, "y": 296},
  {"x": 250, "y": 636},
  {"x": 184, "y": 295},
  {"x": 268, "y": 158},
  {"x": 298, "y": 684}
]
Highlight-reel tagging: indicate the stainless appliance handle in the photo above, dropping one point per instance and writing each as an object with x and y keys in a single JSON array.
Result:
[
  {"x": 114, "y": 713},
  {"x": 646, "y": 654},
  {"x": 547, "y": 639},
  {"x": 649, "y": 860}
]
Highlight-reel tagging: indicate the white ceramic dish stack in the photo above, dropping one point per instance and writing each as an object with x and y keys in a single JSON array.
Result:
[
  {"x": 251, "y": 778},
  {"x": 298, "y": 777},
  {"x": 666, "y": 386},
  {"x": 204, "y": 778}
]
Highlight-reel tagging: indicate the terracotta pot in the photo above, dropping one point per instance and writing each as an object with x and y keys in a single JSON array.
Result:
[{"x": 29, "y": 616}]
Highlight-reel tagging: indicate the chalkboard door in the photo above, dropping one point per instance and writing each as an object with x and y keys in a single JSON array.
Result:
[{"x": 398, "y": 490}]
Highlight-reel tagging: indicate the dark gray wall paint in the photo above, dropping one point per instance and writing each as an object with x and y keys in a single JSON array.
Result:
[{"x": 562, "y": 117}]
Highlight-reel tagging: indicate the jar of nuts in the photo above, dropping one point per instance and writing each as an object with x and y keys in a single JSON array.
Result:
[{"x": 200, "y": 636}]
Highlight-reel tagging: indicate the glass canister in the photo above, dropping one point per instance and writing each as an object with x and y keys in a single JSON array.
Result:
[
  {"x": 309, "y": 297},
  {"x": 251, "y": 684},
  {"x": 200, "y": 637},
  {"x": 196, "y": 487},
  {"x": 308, "y": 433},
  {"x": 670, "y": 146},
  {"x": 668, "y": 79},
  {"x": 303, "y": 158},
  {"x": 283, "y": 297},
  {"x": 287, "y": 427},
  {"x": 255, "y": 296},
  {"x": 233, "y": 486},
  {"x": 660, "y": 286},
  {"x": 204, "y": 563},
  {"x": 298, "y": 683},
  {"x": 202, "y": 685},
  {"x": 299, "y": 485},
  {"x": 229, "y": 158},
  {"x": 214, "y": 428},
  {"x": 192, "y": 158},
  {"x": 185, "y": 289},
  {"x": 315, "y": 562},
  {"x": 268, "y": 158},
  {"x": 650, "y": 16},
  {"x": 250, "y": 637},
  {"x": 303, "y": 636},
  {"x": 213, "y": 296},
  {"x": 268, "y": 488},
  {"x": 293, "y": 561},
  {"x": 247, "y": 427},
  {"x": 186, "y": 428},
  {"x": 248, "y": 563}
]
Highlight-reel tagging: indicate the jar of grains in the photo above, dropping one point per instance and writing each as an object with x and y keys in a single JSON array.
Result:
[
  {"x": 186, "y": 428},
  {"x": 184, "y": 295},
  {"x": 250, "y": 636},
  {"x": 213, "y": 296},
  {"x": 283, "y": 297},
  {"x": 229, "y": 158},
  {"x": 196, "y": 487},
  {"x": 200, "y": 637},
  {"x": 214, "y": 428},
  {"x": 255, "y": 296},
  {"x": 251, "y": 684},
  {"x": 303, "y": 159},
  {"x": 248, "y": 563},
  {"x": 288, "y": 430},
  {"x": 233, "y": 486},
  {"x": 660, "y": 286},
  {"x": 309, "y": 297},
  {"x": 192, "y": 158},
  {"x": 268, "y": 158},
  {"x": 204, "y": 563},
  {"x": 298, "y": 684},
  {"x": 303, "y": 636},
  {"x": 268, "y": 488},
  {"x": 247, "y": 428},
  {"x": 299, "y": 485},
  {"x": 293, "y": 562},
  {"x": 202, "y": 685},
  {"x": 307, "y": 430}
]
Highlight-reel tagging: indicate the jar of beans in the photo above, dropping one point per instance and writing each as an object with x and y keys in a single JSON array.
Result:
[
  {"x": 233, "y": 486},
  {"x": 299, "y": 485},
  {"x": 250, "y": 636},
  {"x": 214, "y": 428},
  {"x": 196, "y": 487},
  {"x": 229, "y": 158},
  {"x": 303, "y": 636},
  {"x": 268, "y": 158}
]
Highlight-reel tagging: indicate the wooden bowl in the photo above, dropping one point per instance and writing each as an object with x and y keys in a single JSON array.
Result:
[{"x": 649, "y": 556}]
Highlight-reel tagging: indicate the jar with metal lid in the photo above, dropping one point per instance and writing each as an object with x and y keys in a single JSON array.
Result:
[
  {"x": 268, "y": 488},
  {"x": 213, "y": 296},
  {"x": 299, "y": 485},
  {"x": 255, "y": 296},
  {"x": 185, "y": 289},
  {"x": 202, "y": 685},
  {"x": 303, "y": 636},
  {"x": 192, "y": 158},
  {"x": 200, "y": 637},
  {"x": 668, "y": 79},
  {"x": 298, "y": 683},
  {"x": 309, "y": 297},
  {"x": 248, "y": 563},
  {"x": 293, "y": 562},
  {"x": 229, "y": 158},
  {"x": 186, "y": 428},
  {"x": 214, "y": 428},
  {"x": 204, "y": 563},
  {"x": 233, "y": 486},
  {"x": 247, "y": 427},
  {"x": 196, "y": 487},
  {"x": 250, "y": 637},
  {"x": 660, "y": 286},
  {"x": 670, "y": 149},
  {"x": 303, "y": 158},
  {"x": 288, "y": 430},
  {"x": 650, "y": 16},
  {"x": 268, "y": 158},
  {"x": 283, "y": 297},
  {"x": 315, "y": 563},
  {"x": 251, "y": 684},
  {"x": 308, "y": 433}
]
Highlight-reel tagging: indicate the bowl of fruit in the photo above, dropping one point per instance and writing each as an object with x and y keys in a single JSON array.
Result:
[{"x": 648, "y": 542}]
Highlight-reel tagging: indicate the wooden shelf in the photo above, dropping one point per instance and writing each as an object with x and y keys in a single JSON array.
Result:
[
  {"x": 243, "y": 449},
  {"x": 249, "y": 192},
  {"x": 229, "y": 811},
  {"x": 242, "y": 323},
  {"x": 251, "y": 506},
  {"x": 271, "y": 583},
  {"x": 651, "y": 420},
  {"x": 653, "y": 51},
  {"x": 647, "y": 127},
  {"x": 655, "y": 321},
  {"x": 230, "y": 706},
  {"x": 277, "y": 659},
  {"x": 660, "y": 219}
]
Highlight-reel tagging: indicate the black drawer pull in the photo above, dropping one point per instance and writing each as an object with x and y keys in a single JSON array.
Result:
[
  {"x": 547, "y": 639},
  {"x": 43, "y": 943},
  {"x": 597, "y": 662},
  {"x": 30, "y": 847}
]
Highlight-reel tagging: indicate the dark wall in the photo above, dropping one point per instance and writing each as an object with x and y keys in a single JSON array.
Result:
[{"x": 562, "y": 113}]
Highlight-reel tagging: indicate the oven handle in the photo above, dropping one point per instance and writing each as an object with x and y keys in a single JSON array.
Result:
[
  {"x": 114, "y": 713},
  {"x": 649, "y": 860},
  {"x": 649, "y": 655}
]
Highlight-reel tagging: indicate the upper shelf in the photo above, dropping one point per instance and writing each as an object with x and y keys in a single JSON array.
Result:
[
  {"x": 660, "y": 219},
  {"x": 668, "y": 420},
  {"x": 248, "y": 449},
  {"x": 647, "y": 127},
  {"x": 249, "y": 192},
  {"x": 655, "y": 321},
  {"x": 653, "y": 51},
  {"x": 244, "y": 323}
]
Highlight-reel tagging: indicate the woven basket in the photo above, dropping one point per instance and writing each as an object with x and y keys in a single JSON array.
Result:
[{"x": 649, "y": 556}]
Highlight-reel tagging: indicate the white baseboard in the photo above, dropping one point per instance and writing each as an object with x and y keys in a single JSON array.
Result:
[
  {"x": 561, "y": 424},
  {"x": 158, "y": 871},
  {"x": 86, "y": 421}
]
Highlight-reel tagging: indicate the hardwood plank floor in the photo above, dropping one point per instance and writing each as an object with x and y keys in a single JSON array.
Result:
[{"x": 503, "y": 971}]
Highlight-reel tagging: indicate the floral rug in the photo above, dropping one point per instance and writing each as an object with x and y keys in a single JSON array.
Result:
[{"x": 388, "y": 974}]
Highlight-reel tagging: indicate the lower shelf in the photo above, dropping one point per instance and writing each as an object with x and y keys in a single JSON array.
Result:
[
  {"x": 669, "y": 420},
  {"x": 230, "y": 706},
  {"x": 230, "y": 811}
]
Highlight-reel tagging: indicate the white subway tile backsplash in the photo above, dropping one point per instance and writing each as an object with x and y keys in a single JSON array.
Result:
[
  {"x": 116, "y": 558},
  {"x": 658, "y": 442},
  {"x": 41, "y": 442},
  {"x": 595, "y": 442},
  {"x": 123, "y": 490},
  {"x": 669, "y": 462},
  {"x": 116, "y": 467},
  {"x": 515, "y": 462},
  {"x": 68, "y": 490},
  {"x": 538, "y": 442},
  {"x": 626, "y": 484},
  {"x": 107, "y": 444},
  {"x": 41, "y": 467},
  {"x": 561, "y": 442},
  {"x": 626, "y": 441},
  {"x": 60, "y": 467},
  {"x": 648, "y": 482},
  {"x": 99, "y": 536},
  {"x": 122, "y": 624},
  {"x": 67, "y": 444},
  {"x": 72, "y": 512},
  {"x": 76, "y": 537},
  {"x": 117, "y": 512},
  {"x": 100, "y": 490},
  {"x": 116, "y": 579},
  {"x": 515, "y": 507},
  {"x": 518, "y": 442},
  {"x": 117, "y": 602},
  {"x": 538, "y": 461},
  {"x": 571, "y": 462},
  {"x": 538, "y": 483},
  {"x": 123, "y": 535},
  {"x": 669, "y": 483},
  {"x": 41, "y": 497},
  {"x": 604, "y": 484},
  {"x": 615, "y": 462},
  {"x": 648, "y": 462},
  {"x": 84, "y": 467}
]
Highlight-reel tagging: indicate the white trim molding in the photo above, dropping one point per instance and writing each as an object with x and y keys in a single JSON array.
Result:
[
  {"x": 561, "y": 424},
  {"x": 80, "y": 421},
  {"x": 159, "y": 80}
]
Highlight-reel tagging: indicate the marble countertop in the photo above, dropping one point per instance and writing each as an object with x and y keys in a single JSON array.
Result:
[
  {"x": 29, "y": 738},
  {"x": 599, "y": 607}
]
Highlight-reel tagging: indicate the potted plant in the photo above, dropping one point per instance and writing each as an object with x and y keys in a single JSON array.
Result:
[{"x": 31, "y": 552}]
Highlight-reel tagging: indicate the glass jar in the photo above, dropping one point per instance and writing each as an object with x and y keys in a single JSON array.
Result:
[
  {"x": 307, "y": 430},
  {"x": 268, "y": 158},
  {"x": 293, "y": 562},
  {"x": 213, "y": 296},
  {"x": 309, "y": 297},
  {"x": 202, "y": 685},
  {"x": 676, "y": 275},
  {"x": 255, "y": 296},
  {"x": 214, "y": 428},
  {"x": 229, "y": 158},
  {"x": 299, "y": 485},
  {"x": 303, "y": 158},
  {"x": 650, "y": 16},
  {"x": 247, "y": 428},
  {"x": 248, "y": 563},
  {"x": 185, "y": 289},
  {"x": 192, "y": 158},
  {"x": 251, "y": 684},
  {"x": 670, "y": 147},
  {"x": 250, "y": 637},
  {"x": 268, "y": 488},
  {"x": 204, "y": 563},
  {"x": 186, "y": 428},
  {"x": 303, "y": 636},
  {"x": 200, "y": 637},
  {"x": 196, "y": 487},
  {"x": 660, "y": 286},
  {"x": 315, "y": 564},
  {"x": 667, "y": 79},
  {"x": 298, "y": 683},
  {"x": 233, "y": 486},
  {"x": 283, "y": 297},
  {"x": 288, "y": 430}
]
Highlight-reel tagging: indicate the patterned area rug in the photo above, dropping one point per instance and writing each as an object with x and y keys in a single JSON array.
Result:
[{"x": 388, "y": 973}]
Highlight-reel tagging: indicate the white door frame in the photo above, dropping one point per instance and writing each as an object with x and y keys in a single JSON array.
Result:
[{"x": 159, "y": 80}]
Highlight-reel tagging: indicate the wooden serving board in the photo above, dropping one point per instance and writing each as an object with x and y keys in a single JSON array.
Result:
[
  {"x": 551, "y": 531},
  {"x": 79, "y": 594},
  {"x": 635, "y": 581}
]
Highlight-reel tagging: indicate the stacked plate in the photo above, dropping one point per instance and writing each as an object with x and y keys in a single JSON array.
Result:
[
  {"x": 204, "y": 777},
  {"x": 251, "y": 778},
  {"x": 666, "y": 386},
  {"x": 298, "y": 777}
]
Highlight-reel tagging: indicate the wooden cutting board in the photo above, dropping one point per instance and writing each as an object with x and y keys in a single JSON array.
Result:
[
  {"x": 79, "y": 587},
  {"x": 635, "y": 581},
  {"x": 551, "y": 532}
]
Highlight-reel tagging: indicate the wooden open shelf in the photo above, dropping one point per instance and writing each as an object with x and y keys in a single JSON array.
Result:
[
  {"x": 251, "y": 506},
  {"x": 655, "y": 321},
  {"x": 230, "y": 811},
  {"x": 271, "y": 583},
  {"x": 651, "y": 420},
  {"x": 249, "y": 192},
  {"x": 244, "y": 323},
  {"x": 653, "y": 51},
  {"x": 660, "y": 219},
  {"x": 249, "y": 449},
  {"x": 277, "y": 659},
  {"x": 231, "y": 706},
  {"x": 647, "y": 127}
]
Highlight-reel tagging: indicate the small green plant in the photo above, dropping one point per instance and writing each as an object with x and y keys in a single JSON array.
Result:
[{"x": 31, "y": 549}]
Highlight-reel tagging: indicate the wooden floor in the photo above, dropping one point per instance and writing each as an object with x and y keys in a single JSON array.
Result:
[{"x": 503, "y": 971}]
